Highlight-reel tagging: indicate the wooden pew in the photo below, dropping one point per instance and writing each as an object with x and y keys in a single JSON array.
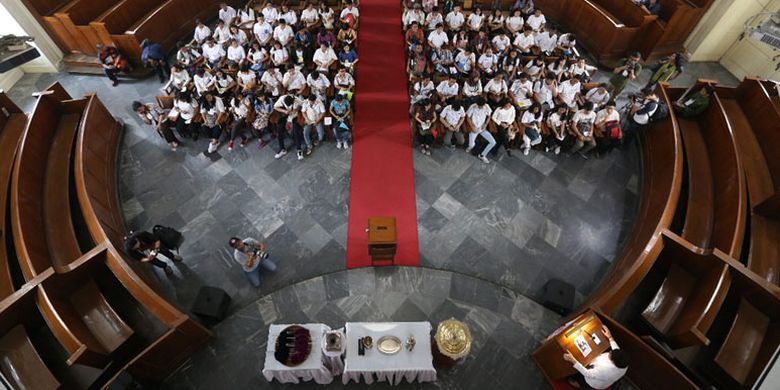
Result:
[
  {"x": 627, "y": 12},
  {"x": 648, "y": 368},
  {"x": 662, "y": 165},
  {"x": 20, "y": 363},
  {"x": 70, "y": 25},
  {"x": 44, "y": 234},
  {"x": 166, "y": 24},
  {"x": 756, "y": 152},
  {"x": 754, "y": 334},
  {"x": 96, "y": 159},
  {"x": 690, "y": 295},
  {"x": 715, "y": 181},
  {"x": 12, "y": 123},
  {"x": 124, "y": 14},
  {"x": 79, "y": 316}
]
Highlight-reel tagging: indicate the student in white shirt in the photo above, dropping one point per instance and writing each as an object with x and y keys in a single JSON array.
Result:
[
  {"x": 214, "y": 53},
  {"x": 514, "y": 23},
  {"x": 227, "y": 14},
  {"x": 324, "y": 57},
  {"x": 187, "y": 108},
  {"x": 545, "y": 91},
  {"x": 310, "y": 17},
  {"x": 224, "y": 84},
  {"x": 477, "y": 118},
  {"x": 343, "y": 81},
  {"x": 547, "y": 40},
  {"x": 608, "y": 132},
  {"x": 604, "y": 370},
  {"x": 293, "y": 80},
  {"x": 318, "y": 84},
  {"x": 241, "y": 107},
  {"x": 525, "y": 41},
  {"x": 504, "y": 119},
  {"x": 598, "y": 96},
  {"x": 583, "y": 123},
  {"x": 569, "y": 93},
  {"x": 313, "y": 112},
  {"x": 263, "y": 30},
  {"x": 221, "y": 33},
  {"x": 350, "y": 9},
  {"x": 455, "y": 19},
  {"x": 257, "y": 56},
  {"x": 235, "y": 53},
  {"x": 472, "y": 88},
  {"x": 531, "y": 120},
  {"x": 270, "y": 12},
  {"x": 501, "y": 43},
  {"x": 465, "y": 61},
  {"x": 247, "y": 79},
  {"x": 289, "y": 106},
  {"x": 204, "y": 81},
  {"x": 452, "y": 118},
  {"x": 433, "y": 19},
  {"x": 272, "y": 80},
  {"x": 522, "y": 91},
  {"x": 495, "y": 20},
  {"x": 283, "y": 33},
  {"x": 279, "y": 55},
  {"x": 238, "y": 35},
  {"x": 414, "y": 14},
  {"x": 437, "y": 38},
  {"x": 246, "y": 16},
  {"x": 289, "y": 15},
  {"x": 536, "y": 21},
  {"x": 202, "y": 32},
  {"x": 180, "y": 78},
  {"x": 567, "y": 43},
  {"x": 581, "y": 70},
  {"x": 488, "y": 63},
  {"x": 496, "y": 89},
  {"x": 327, "y": 16},
  {"x": 447, "y": 89},
  {"x": 556, "y": 124},
  {"x": 476, "y": 19}
]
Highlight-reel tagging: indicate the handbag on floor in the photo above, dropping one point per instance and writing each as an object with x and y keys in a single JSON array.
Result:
[{"x": 169, "y": 237}]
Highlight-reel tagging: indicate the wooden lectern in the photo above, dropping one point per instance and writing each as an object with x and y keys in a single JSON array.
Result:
[{"x": 381, "y": 240}]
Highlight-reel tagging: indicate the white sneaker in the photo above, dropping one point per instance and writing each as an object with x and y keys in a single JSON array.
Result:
[
  {"x": 468, "y": 150},
  {"x": 346, "y": 145},
  {"x": 300, "y": 155},
  {"x": 484, "y": 159},
  {"x": 338, "y": 144},
  {"x": 212, "y": 147},
  {"x": 280, "y": 154},
  {"x": 557, "y": 150},
  {"x": 526, "y": 151}
]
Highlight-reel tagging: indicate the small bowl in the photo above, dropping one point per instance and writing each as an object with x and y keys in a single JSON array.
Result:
[{"x": 368, "y": 342}]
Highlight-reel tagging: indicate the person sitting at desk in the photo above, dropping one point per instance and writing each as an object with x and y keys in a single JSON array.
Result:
[{"x": 603, "y": 371}]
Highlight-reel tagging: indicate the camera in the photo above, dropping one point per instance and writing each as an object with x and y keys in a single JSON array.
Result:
[{"x": 260, "y": 254}]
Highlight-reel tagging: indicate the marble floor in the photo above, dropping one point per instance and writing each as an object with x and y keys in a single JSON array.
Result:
[{"x": 490, "y": 236}]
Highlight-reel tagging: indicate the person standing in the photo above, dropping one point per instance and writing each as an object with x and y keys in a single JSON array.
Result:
[
  {"x": 145, "y": 247},
  {"x": 153, "y": 56},
  {"x": 252, "y": 256},
  {"x": 625, "y": 73}
]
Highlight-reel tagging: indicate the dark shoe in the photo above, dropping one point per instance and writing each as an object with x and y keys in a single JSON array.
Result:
[
  {"x": 115, "y": 83},
  {"x": 178, "y": 259},
  {"x": 168, "y": 270}
]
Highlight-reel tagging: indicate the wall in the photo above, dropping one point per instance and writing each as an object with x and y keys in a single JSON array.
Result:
[
  {"x": 16, "y": 19},
  {"x": 716, "y": 38}
]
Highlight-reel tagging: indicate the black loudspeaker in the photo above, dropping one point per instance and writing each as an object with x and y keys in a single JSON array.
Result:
[
  {"x": 558, "y": 296},
  {"x": 211, "y": 305}
]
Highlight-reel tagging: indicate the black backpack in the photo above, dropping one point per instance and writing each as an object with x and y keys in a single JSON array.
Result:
[
  {"x": 169, "y": 237},
  {"x": 661, "y": 112}
]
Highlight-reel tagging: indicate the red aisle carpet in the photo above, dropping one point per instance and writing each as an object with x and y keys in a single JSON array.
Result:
[{"x": 382, "y": 179}]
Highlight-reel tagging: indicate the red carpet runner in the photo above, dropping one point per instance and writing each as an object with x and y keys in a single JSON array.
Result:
[{"x": 382, "y": 179}]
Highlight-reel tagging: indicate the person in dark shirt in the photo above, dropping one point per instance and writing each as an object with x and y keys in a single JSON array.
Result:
[
  {"x": 153, "y": 55},
  {"x": 651, "y": 6},
  {"x": 144, "y": 247},
  {"x": 694, "y": 105}
]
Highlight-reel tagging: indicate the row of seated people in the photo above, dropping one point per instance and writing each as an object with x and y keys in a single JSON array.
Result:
[
  {"x": 475, "y": 80},
  {"x": 238, "y": 85}
]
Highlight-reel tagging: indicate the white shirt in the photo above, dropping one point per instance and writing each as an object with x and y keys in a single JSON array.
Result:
[
  {"x": 501, "y": 42},
  {"x": 274, "y": 80},
  {"x": 295, "y": 105},
  {"x": 350, "y": 10},
  {"x": 247, "y": 78},
  {"x": 581, "y": 117},
  {"x": 178, "y": 79},
  {"x": 312, "y": 110},
  {"x": 472, "y": 89},
  {"x": 413, "y": 15},
  {"x": 446, "y": 89},
  {"x": 433, "y": 19},
  {"x": 321, "y": 57},
  {"x": 455, "y": 20},
  {"x": 278, "y": 55},
  {"x": 236, "y": 54},
  {"x": 270, "y": 14},
  {"x": 503, "y": 115},
  {"x": 201, "y": 33},
  {"x": 290, "y": 17},
  {"x": 603, "y": 116},
  {"x": 451, "y": 116},
  {"x": 496, "y": 87},
  {"x": 603, "y": 372},
  {"x": 569, "y": 91},
  {"x": 524, "y": 42},
  {"x": 186, "y": 109},
  {"x": 479, "y": 116},
  {"x": 213, "y": 53},
  {"x": 546, "y": 42},
  {"x": 424, "y": 89},
  {"x": 597, "y": 98},
  {"x": 310, "y": 15},
  {"x": 263, "y": 32},
  {"x": 529, "y": 118},
  {"x": 227, "y": 14},
  {"x": 437, "y": 38},
  {"x": 341, "y": 80},
  {"x": 536, "y": 22},
  {"x": 467, "y": 60},
  {"x": 203, "y": 83},
  {"x": 283, "y": 34},
  {"x": 545, "y": 92},
  {"x": 555, "y": 121},
  {"x": 475, "y": 21},
  {"x": 319, "y": 85},
  {"x": 576, "y": 70},
  {"x": 294, "y": 81},
  {"x": 222, "y": 34},
  {"x": 488, "y": 61},
  {"x": 240, "y": 37},
  {"x": 246, "y": 15},
  {"x": 514, "y": 23}
]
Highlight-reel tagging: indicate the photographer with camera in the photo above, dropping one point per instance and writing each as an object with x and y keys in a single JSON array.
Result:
[
  {"x": 252, "y": 255},
  {"x": 623, "y": 74},
  {"x": 641, "y": 112}
]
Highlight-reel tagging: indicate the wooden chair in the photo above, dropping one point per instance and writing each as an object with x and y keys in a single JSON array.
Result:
[
  {"x": 20, "y": 363},
  {"x": 690, "y": 295}
]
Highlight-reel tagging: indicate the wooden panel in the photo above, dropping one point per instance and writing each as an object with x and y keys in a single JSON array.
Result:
[
  {"x": 84, "y": 11},
  {"x": 126, "y": 13},
  {"x": 45, "y": 7},
  {"x": 99, "y": 317},
  {"x": 172, "y": 21},
  {"x": 20, "y": 363},
  {"x": 700, "y": 214},
  {"x": 670, "y": 299},
  {"x": 57, "y": 213},
  {"x": 738, "y": 353},
  {"x": 14, "y": 122},
  {"x": 765, "y": 120},
  {"x": 662, "y": 164}
]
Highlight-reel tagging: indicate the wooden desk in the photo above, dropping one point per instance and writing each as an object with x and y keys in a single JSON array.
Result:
[
  {"x": 585, "y": 328},
  {"x": 381, "y": 239}
]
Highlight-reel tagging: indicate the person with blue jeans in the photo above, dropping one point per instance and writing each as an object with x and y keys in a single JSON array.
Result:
[
  {"x": 252, "y": 256},
  {"x": 340, "y": 109},
  {"x": 313, "y": 113},
  {"x": 477, "y": 118}
]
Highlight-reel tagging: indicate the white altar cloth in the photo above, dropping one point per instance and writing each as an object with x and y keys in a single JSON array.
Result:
[{"x": 316, "y": 367}]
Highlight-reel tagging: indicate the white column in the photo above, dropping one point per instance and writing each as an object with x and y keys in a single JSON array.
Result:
[{"x": 51, "y": 55}]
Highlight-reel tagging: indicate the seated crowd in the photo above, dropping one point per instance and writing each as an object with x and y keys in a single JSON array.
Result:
[
  {"x": 509, "y": 78},
  {"x": 262, "y": 72}
]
